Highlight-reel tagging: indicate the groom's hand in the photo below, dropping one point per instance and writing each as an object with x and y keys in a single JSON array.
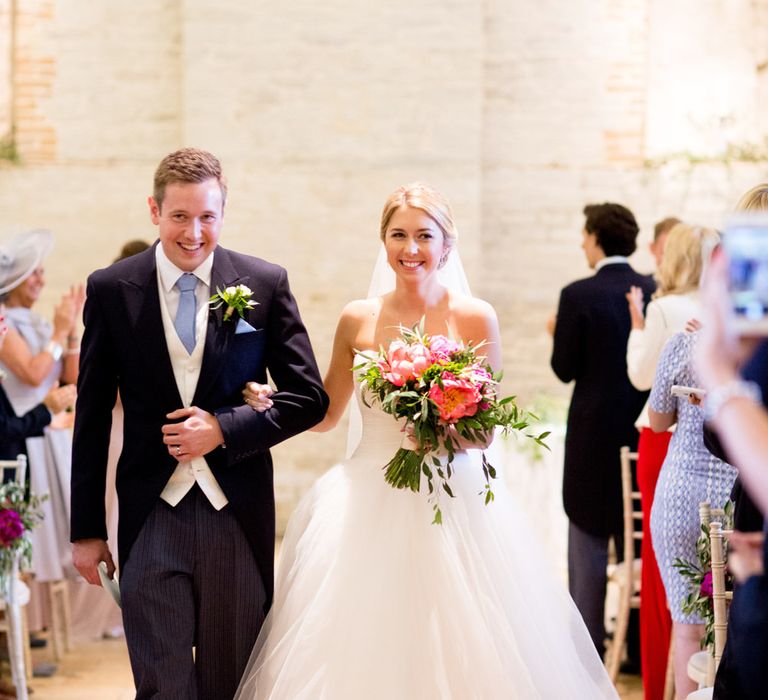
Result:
[
  {"x": 86, "y": 555},
  {"x": 196, "y": 435}
]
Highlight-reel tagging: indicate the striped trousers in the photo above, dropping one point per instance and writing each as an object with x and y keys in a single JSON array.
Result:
[{"x": 190, "y": 580}]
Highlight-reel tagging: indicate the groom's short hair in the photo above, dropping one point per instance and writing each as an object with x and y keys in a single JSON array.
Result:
[{"x": 187, "y": 165}]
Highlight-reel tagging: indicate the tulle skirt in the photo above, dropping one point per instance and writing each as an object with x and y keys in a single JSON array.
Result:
[{"x": 373, "y": 601}]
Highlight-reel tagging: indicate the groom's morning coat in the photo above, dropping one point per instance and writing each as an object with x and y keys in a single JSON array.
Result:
[{"x": 124, "y": 349}]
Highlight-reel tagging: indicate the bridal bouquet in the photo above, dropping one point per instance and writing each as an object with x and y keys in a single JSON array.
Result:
[{"x": 448, "y": 396}]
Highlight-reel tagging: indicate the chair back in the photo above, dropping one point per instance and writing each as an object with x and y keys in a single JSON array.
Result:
[
  {"x": 720, "y": 597},
  {"x": 632, "y": 507},
  {"x": 707, "y": 513},
  {"x": 19, "y": 465},
  {"x": 626, "y": 574}
]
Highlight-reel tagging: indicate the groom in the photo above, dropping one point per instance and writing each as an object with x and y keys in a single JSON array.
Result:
[{"x": 194, "y": 480}]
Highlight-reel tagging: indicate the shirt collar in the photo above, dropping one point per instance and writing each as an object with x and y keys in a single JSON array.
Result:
[
  {"x": 169, "y": 273},
  {"x": 611, "y": 260}
]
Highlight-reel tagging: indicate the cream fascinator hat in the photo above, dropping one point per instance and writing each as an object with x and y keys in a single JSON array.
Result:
[{"x": 21, "y": 256}]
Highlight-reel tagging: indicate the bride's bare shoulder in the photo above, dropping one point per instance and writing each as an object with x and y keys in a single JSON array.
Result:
[
  {"x": 469, "y": 308},
  {"x": 361, "y": 309}
]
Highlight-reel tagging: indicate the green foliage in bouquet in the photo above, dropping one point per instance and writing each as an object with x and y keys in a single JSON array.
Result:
[
  {"x": 447, "y": 395},
  {"x": 699, "y": 600}
]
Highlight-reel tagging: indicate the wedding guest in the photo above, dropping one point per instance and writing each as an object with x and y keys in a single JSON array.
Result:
[
  {"x": 675, "y": 302},
  {"x": 747, "y": 517},
  {"x": 590, "y": 344},
  {"x": 36, "y": 355},
  {"x": 661, "y": 232},
  {"x": 14, "y": 430},
  {"x": 735, "y": 408},
  {"x": 690, "y": 474}
]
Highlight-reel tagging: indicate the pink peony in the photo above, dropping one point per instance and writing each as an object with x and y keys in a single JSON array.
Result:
[
  {"x": 706, "y": 585},
  {"x": 405, "y": 362},
  {"x": 478, "y": 375},
  {"x": 456, "y": 399},
  {"x": 442, "y": 348},
  {"x": 11, "y": 527}
]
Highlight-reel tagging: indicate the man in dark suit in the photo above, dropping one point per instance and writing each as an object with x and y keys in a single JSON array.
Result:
[
  {"x": 590, "y": 346},
  {"x": 194, "y": 480}
]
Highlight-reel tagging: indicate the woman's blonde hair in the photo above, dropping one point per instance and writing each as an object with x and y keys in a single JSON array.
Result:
[
  {"x": 755, "y": 199},
  {"x": 687, "y": 252},
  {"x": 433, "y": 203}
]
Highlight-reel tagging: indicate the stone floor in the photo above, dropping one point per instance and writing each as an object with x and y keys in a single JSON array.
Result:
[{"x": 100, "y": 671}]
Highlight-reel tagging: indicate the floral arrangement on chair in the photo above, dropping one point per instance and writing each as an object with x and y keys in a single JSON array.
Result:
[
  {"x": 18, "y": 516},
  {"x": 699, "y": 600},
  {"x": 447, "y": 395}
]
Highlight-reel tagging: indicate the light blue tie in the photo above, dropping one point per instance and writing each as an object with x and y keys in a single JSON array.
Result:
[{"x": 185, "y": 315}]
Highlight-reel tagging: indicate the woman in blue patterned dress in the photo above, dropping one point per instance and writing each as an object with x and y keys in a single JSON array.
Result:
[{"x": 690, "y": 474}]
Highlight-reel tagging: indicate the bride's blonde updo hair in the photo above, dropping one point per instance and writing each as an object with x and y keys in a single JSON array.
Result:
[
  {"x": 686, "y": 254},
  {"x": 422, "y": 196}
]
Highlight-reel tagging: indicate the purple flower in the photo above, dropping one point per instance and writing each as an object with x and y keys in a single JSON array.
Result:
[
  {"x": 706, "y": 585},
  {"x": 11, "y": 527}
]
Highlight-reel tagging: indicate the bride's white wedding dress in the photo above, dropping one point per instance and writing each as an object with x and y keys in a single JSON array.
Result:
[{"x": 373, "y": 602}]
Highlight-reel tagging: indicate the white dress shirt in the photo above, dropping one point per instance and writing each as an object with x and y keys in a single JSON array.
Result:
[
  {"x": 611, "y": 260},
  {"x": 186, "y": 371}
]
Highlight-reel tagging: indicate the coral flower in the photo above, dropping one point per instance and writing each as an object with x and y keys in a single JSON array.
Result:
[{"x": 456, "y": 399}]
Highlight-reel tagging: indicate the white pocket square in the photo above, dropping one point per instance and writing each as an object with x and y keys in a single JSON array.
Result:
[{"x": 244, "y": 327}]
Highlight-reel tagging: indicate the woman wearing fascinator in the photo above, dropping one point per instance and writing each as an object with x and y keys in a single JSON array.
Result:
[
  {"x": 375, "y": 597},
  {"x": 36, "y": 356}
]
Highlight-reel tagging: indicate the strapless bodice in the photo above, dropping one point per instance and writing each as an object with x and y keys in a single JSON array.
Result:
[{"x": 381, "y": 433}]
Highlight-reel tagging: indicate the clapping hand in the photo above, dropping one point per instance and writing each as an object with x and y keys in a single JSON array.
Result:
[
  {"x": 69, "y": 308},
  {"x": 257, "y": 396},
  {"x": 60, "y": 398},
  {"x": 635, "y": 300}
]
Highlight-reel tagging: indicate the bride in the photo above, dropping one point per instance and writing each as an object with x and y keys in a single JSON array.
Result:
[{"x": 372, "y": 600}]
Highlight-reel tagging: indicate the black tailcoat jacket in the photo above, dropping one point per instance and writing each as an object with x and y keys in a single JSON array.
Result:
[
  {"x": 124, "y": 348},
  {"x": 590, "y": 348}
]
